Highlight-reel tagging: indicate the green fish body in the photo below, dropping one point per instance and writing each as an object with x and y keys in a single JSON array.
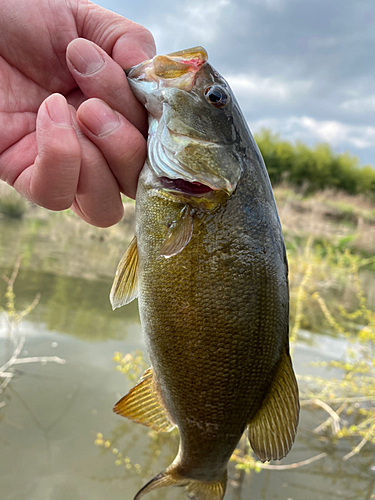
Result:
[{"x": 209, "y": 267}]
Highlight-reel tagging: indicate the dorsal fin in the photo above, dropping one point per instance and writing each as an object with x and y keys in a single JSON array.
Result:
[
  {"x": 178, "y": 235},
  {"x": 142, "y": 404},
  {"x": 125, "y": 284},
  {"x": 273, "y": 429}
]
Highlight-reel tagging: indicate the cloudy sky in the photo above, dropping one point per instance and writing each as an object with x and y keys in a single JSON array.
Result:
[{"x": 302, "y": 68}]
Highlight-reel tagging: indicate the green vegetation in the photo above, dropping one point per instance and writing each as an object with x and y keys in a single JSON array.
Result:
[
  {"x": 12, "y": 205},
  {"x": 313, "y": 169},
  {"x": 329, "y": 218},
  {"x": 349, "y": 399}
]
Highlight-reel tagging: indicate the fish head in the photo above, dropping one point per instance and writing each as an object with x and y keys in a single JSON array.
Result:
[{"x": 192, "y": 135}]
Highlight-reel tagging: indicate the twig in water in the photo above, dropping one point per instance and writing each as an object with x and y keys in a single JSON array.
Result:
[
  {"x": 13, "y": 319},
  {"x": 356, "y": 449},
  {"x": 285, "y": 467},
  {"x": 334, "y": 417}
]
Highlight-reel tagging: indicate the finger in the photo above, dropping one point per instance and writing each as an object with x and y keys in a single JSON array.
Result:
[
  {"x": 123, "y": 146},
  {"x": 127, "y": 42},
  {"x": 99, "y": 76},
  {"x": 98, "y": 199},
  {"x": 52, "y": 181},
  {"x": 17, "y": 158}
]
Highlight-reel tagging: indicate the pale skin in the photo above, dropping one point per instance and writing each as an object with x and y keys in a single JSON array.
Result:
[{"x": 72, "y": 133}]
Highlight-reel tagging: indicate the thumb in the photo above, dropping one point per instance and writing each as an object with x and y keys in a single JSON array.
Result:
[{"x": 127, "y": 42}]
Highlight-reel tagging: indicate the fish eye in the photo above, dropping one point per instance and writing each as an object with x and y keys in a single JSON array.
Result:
[{"x": 216, "y": 96}]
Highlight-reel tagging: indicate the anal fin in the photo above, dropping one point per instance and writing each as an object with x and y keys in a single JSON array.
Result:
[
  {"x": 125, "y": 284},
  {"x": 273, "y": 429},
  {"x": 143, "y": 405}
]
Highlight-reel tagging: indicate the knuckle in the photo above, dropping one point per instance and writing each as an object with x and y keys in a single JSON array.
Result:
[
  {"x": 147, "y": 40},
  {"x": 55, "y": 204},
  {"x": 135, "y": 153}
]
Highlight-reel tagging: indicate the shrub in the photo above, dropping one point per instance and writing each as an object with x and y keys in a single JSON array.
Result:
[
  {"x": 314, "y": 168},
  {"x": 12, "y": 205}
]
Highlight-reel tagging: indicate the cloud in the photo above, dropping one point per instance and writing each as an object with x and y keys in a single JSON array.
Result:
[
  {"x": 273, "y": 5},
  {"x": 203, "y": 18},
  {"x": 360, "y": 105},
  {"x": 190, "y": 22},
  {"x": 308, "y": 129},
  {"x": 252, "y": 85}
]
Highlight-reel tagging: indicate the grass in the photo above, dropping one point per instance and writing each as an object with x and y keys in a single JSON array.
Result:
[{"x": 327, "y": 217}]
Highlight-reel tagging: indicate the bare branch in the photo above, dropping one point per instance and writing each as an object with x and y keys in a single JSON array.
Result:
[
  {"x": 40, "y": 359},
  {"x": 356, "y": 449},
  {"x": 29, "y": 308},
  {"x": 15, "y": 354},
  {"x": 10, "y": 281},
  {"x": 295, "y": 465},
  {"x": 285, "y": 467},
  {"x": 334, "y": 417}
]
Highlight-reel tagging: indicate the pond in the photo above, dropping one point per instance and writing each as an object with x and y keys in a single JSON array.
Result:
[{"x": 51, "y": 414}]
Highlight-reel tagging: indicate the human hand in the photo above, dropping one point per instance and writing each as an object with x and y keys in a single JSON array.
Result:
[{"x": 53, "y": 156}]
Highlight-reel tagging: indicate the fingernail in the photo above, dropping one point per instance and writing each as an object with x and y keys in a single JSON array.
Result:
[
  {"x": 58, "y": 110},
  {"x": 84, "y": 56},
  {"x": 99, "y": 118}
]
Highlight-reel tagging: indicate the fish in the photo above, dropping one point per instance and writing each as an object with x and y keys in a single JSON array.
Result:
[{"x": 209, "y": 267}]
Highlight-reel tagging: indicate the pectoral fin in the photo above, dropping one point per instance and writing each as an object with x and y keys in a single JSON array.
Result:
[
  {"x": 143, "y": 405},
  {"x": 125, "y": 284},
  {"x": 273, "y": 429},
  {"x": 178, "y": 235}
]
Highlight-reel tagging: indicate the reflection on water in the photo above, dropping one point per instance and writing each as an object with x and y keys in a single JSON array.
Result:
[
  {"x": 53, "y": 413},
  {"x": 73, "y": 305}
]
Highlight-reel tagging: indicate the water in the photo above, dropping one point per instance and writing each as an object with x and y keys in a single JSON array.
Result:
[{"x": 53, "y": 412}]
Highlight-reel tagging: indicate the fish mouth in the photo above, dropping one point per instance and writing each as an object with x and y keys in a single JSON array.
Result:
[
  {"x": 177, "y": 69},
  {"x": 185, "y": 187}
]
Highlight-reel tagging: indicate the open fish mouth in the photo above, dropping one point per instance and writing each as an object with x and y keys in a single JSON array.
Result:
[{"x": 185, "y": 187}]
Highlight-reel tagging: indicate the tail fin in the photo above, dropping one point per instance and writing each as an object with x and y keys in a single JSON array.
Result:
[{"x": 195, "y": 489}]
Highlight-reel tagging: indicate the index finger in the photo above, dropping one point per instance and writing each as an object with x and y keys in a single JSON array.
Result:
[
  {"x": 99, "y": 76},
  {"x": 127, "y": 42}
]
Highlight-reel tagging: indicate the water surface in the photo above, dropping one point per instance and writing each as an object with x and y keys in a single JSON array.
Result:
[
  {"x": 50, "y": 414},
  {"x": 53, "y": 412}
]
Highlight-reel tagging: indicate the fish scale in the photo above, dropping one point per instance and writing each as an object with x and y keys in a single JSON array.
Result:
[{"x": 209, "y": 268}]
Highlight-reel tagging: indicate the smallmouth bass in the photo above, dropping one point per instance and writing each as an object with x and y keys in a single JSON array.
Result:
[{"x": 208, "y": 265}]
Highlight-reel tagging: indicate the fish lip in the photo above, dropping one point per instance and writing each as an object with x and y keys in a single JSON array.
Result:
[
  {"x": 187, "y": 188},
  {"x": 156, "y": 68}
]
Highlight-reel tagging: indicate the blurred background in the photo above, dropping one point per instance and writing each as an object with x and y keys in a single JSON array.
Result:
[{"x": 303, "y": 73}]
